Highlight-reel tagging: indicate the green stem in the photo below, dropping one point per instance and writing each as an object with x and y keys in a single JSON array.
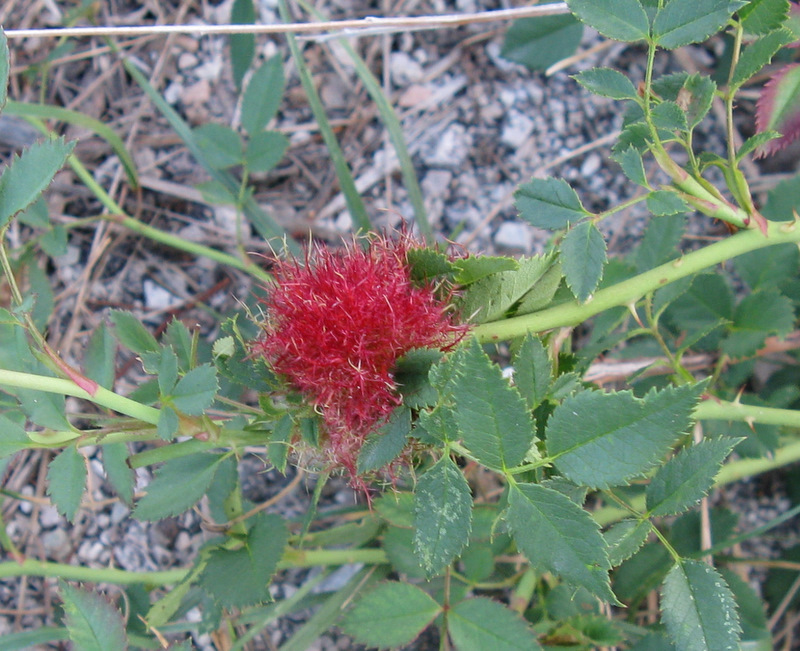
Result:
[
  {"x": 730, "y": 472},
  {"x": 291, "y": 559},
  {"x": 730, "y": 92},
  {"x": 117, "y": 216},
  {"x": 730, "y": 411},
  {"x": 33, "y": 567},
  {"x": 102, "y": 397},
  {"x": 629, "y": 291},
  {"x": 625, "y": 204},
  {"x": 708, "y": 202},
  {"x": 523, "y": 592}
]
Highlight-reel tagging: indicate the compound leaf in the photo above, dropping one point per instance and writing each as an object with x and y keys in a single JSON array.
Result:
[
  {"x": 168, "y": 423},
  {"x": 548, "y": 203},
  {"x": 92, "y": 622},
  {"x": 243, "y": 46},
  {"x": 252, "y": 565},
  {"x": 221, "y": 146},
  {"x": 12, "y": 437},
  {"x": 622, "y": 20},
  {"x": 758, "y": 315},
  {"x": 492, "y": 417},
  {"x": 442, "y": 515},
  {"x": 383, "y": 446},
  {"x": 663, "y": 203},
  {"x": 660, "y": 242},
  {"x": 392, "y": 615},
  {"x": 608, "y": 83},
  {"x": 583, "y": 255},
  {"x": 778, "y": 108},
  {"x": 480, "y": 623},
  {"x": 762, "y": 16},
  {"x": 491, "y": 297},
  {"x": 669, "y": 116},
  {"x": 468, "y": 270},
  {"x": 99, "y": 360},
  {"x": 537, "y": 43},
  {"x": 558, "y": 536},
  {"x": 763, "y": 272},
  {"x": 685, "y": 479},
  {"x": 132, "y": 334},
  {"x": 681, "y": 22},
  {"x": 698, "y": 609},
  {"x": 264, "y": 150},
  {"x": 119, "y": 473},
  {"x": 625, "y": 538},
  {"x": 532, "y": 371},
  {"x": 605, "y": 439},
  {"x": 66, "y": 479},
  {"x": 28, "y": 174},
  {"x": 193, "y": 474},
  {"x": 195, "y": 391},
  {"x": 759, "y": 54},
  {"x": 263, "y": 96},
  {"x": 630, "y": 160},
  {"x": 167, "y": 370}
]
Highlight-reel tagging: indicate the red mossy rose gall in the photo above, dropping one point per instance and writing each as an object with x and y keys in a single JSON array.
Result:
[{"x": 337, "y": 325}]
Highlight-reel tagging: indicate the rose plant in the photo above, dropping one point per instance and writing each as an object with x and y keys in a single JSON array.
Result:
[{"x": 522, "y": 512}]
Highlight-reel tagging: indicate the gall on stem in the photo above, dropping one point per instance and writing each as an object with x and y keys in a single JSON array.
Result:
[{"x": 337, "y": 324}]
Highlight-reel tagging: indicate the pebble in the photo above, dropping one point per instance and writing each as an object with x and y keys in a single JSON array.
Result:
[
  {"x": 333, "y": 94},
  {"x": 187, "y": 61},
  {"x": 514, "y": 236},
  {"x": 173, "y": 92},
  {"x": 90, "y": 551},
  {"x": 49, "y": 517},
  {"x": 436, "y": 183},
  {"x": 449, "y": 148},
  {"x": 56, "y": 544},
  {"x": 25, "y": 506},
  {"x": 405, "y": 70},
  {"x": 517, "y": 129},
  {"x": 119, "y": 512},
  {"x": 183, "y": 541},
  {"x": 591, "y": 165},
  {"x": 156, "y": 297}
]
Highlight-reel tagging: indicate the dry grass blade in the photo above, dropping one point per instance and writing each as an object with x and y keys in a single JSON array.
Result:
[{"x": 363, "y": 26}]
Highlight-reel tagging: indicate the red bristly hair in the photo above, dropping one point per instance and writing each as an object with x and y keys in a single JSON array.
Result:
[{"x": 337, "y": 326}]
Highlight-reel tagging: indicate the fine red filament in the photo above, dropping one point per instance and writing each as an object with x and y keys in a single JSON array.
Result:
[{"x": 337, "y": 325}]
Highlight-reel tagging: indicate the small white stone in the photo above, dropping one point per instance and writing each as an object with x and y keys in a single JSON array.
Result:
[
  {"x": 187, "y": 61},
  {"x": 227, "y": 218},
  {"x": 450, "y": 148},
  {"x": 119, "y": 511},
  {"x": 173, "y": 92},
  {"x": 25, "y": 506},
  {"x": 591, "y": 165},
  {"x": 183, "y": 541},
  {"x": 56, "y": 544},
  {"x": 514, "y": 235},
  {"x": 404, "y": 69},
  {"x": 344, "y": 222},
  {"x": 517, "y": 129},
  {"x": 507, "y": 96},
  {"x": 436, "y": 183},
  {"x": 156, "y": 297},
  {"x": 49, "y": 517}
]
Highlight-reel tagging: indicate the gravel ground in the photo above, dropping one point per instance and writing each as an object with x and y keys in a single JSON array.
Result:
[{"x": 477, "y": 125}]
